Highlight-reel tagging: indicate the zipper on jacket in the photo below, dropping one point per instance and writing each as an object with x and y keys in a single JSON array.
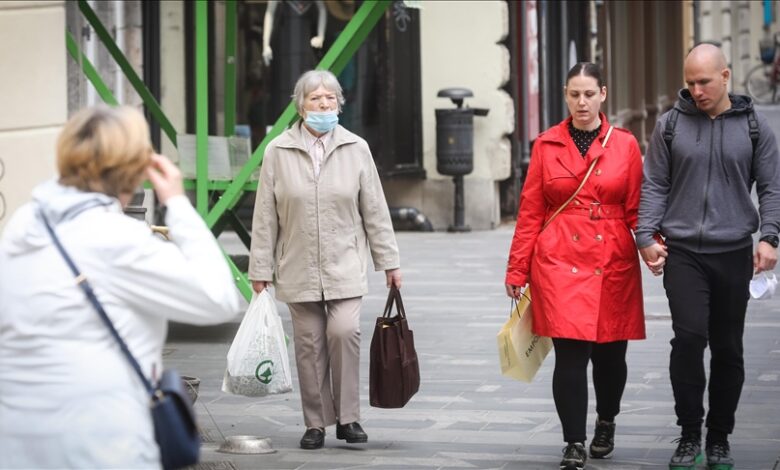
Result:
[{"x": 707, "y": 182}]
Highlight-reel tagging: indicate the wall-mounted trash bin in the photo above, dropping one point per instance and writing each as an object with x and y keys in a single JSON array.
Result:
[{"x": 455, "y": 146}]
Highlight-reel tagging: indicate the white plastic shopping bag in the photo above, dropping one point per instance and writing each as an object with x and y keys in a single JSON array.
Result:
[{"x": 257, "y": 362}]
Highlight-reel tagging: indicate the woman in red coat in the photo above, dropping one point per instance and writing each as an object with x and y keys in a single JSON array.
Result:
[{"x": 584, "y": 267}]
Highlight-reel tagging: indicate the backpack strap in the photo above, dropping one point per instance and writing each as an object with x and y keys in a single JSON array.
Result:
[
  {"x": 753, "y": 129},
  {"x": 754, "y": 134},
  {"x": 671, "y": 122}
]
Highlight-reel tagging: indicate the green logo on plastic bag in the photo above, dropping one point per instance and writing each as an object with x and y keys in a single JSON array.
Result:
[{"x": 265, "y": 371}]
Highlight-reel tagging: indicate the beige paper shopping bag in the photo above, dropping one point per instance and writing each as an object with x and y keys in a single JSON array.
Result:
[{"x": 521, "y": 352}]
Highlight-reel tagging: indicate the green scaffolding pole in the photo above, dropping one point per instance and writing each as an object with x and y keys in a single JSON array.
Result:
[
  {"x": 201, "y": 107},
  {"x": 138, "y": 84},
  {"x": 335, "y": 60},
  {"x": 89, "y": 70}
]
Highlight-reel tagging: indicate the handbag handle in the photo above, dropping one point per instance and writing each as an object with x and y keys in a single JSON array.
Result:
[
  {"x": 82, "y": 282},
  {"x": 394, "y": 296},
  {"x": 582, "y": 184}
]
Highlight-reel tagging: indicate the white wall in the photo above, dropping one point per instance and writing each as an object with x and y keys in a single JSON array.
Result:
[
  {"x": 459, "y": 48},
  {"x": 33, "y": 93}
]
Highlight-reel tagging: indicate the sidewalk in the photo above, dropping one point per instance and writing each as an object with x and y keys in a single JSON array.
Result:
[{"x": 466, "y": 414}]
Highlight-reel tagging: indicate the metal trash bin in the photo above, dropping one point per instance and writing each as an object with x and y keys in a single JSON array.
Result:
[{"x": 455, "y": 146}]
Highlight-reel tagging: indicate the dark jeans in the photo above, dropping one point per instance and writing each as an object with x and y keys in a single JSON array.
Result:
[
  {"x": 708, "y": 295},
  {"x": 570, "y": 382}
]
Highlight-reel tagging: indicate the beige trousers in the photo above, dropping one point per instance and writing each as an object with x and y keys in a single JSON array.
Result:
[{"x": 327, "y": 354}]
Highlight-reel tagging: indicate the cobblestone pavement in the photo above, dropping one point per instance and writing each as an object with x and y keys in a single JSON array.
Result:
[{"x": 466, "y": 415}]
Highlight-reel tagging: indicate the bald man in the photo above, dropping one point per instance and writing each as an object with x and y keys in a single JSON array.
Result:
[{"x": 696, "y": 220}]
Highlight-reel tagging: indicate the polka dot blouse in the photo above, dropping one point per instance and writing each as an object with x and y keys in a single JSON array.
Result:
[{"x": 583, "y": 139}]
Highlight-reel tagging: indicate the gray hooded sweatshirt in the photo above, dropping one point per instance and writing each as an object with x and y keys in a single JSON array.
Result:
[{"x": 699, "y": 196}]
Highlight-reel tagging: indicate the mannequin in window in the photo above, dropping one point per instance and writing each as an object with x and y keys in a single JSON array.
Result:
[{"x": 292, "y": 29}]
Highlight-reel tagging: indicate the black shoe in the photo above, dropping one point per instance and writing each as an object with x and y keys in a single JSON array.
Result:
[
  {"x": 351, "y": 432},
  {"x": 603, "y": 442},
  {"x": 313, "y": 438},
  {"x": 574, "y": 457},
  {"x": 719, "y": 456},
  {"x": 688, "y": 453}
]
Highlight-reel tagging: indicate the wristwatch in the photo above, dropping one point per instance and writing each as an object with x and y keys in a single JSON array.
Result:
[{"x": 771, "y": 239}]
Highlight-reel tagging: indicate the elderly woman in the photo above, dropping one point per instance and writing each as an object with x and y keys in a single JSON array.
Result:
[
  {"x": 70, "y": 398},
  {"x": 319, "y": 206}
]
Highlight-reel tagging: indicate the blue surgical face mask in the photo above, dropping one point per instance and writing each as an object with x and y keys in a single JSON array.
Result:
[{"x": 322, "y": 122}]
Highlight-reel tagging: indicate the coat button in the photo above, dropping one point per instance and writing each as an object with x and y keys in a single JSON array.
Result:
[
  {"x": 597, "y": 272},
  {"x": 575, "y": 237},
  {"x": 598, "y": 237},
  {"x": 574, "y": 270},
  {"x": 576, "y": 202},
  {"x": 597, "y": 172}
]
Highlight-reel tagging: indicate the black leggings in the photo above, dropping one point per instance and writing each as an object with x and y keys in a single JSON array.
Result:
[{"x": 570, "y": 382}]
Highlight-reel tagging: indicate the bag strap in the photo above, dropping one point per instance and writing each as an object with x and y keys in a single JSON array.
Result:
[
  {"x": 394, "y": 296},
  {"x": 82, "y": 281},
  {"x": 582, "y": 183}
]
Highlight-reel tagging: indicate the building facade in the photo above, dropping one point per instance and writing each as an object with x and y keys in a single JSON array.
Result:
[{"x": 512, "y": 55}]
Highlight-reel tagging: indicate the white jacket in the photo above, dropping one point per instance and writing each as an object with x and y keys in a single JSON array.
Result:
[{"x": 68, "y": 397}]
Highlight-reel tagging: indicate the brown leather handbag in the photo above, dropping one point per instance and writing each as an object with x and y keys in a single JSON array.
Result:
[{"x": 394, "y": 373}]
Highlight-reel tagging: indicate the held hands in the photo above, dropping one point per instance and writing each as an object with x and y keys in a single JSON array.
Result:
[
  {"x": 765, "y": 257},
  {"x": 165, "y": 178},
  {"x": 393, "y": 278},
  {"x": 655, "y": 257}
]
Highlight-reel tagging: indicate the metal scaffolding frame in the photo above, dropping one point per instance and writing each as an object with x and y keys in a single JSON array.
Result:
[{"x": 221, "y": 213}]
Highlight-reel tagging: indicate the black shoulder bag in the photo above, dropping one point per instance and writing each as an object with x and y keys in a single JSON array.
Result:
[{"x": 175, "y": 429}]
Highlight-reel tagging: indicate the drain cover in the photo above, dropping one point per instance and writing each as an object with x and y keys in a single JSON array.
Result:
[{"x": 246, "y": 445}]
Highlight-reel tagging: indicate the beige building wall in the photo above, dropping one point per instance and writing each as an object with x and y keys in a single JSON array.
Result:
[
  {"x": 33, "y": 93},
  {"x": 738, "y": 26},
  {"x": 460, "y": 47}
]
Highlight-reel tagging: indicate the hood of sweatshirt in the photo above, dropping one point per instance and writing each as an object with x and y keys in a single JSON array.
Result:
[
  {"x": 740, "y": 105},
  {"x": 26, "y": 231}
]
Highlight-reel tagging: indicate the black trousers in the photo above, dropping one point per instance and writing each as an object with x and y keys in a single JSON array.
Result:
[
  {"x": 708, "y": 295},
  {"x": 570, "y": 382}
]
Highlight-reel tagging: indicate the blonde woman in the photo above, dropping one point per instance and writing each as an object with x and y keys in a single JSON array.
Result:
[{"x": 70, "y": 398}]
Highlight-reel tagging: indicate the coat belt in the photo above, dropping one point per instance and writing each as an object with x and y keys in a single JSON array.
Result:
[{"x": 596, "y": 210}]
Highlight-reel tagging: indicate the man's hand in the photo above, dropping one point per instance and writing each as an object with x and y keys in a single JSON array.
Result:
[
  {"x": 655, "y": 257},
  {"x": 765, "y": 257}
]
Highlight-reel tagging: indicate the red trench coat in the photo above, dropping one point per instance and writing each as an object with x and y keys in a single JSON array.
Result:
[{"x": 584, "y": 267}]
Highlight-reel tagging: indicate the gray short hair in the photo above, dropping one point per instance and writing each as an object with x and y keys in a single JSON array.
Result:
[{"x": 312, "y": 80}]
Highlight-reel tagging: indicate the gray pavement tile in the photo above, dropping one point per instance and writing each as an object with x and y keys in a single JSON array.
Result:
[{"x": 466, "y": 414}]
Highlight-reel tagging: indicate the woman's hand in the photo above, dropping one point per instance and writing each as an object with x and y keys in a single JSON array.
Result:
[
  {"x": 260, "y": 286},
  {"x": 393, "y": 277},
  {"x": 165, "y": 177},
  {"x": 514, "y": 291}
]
